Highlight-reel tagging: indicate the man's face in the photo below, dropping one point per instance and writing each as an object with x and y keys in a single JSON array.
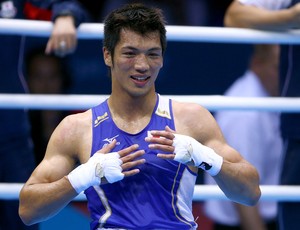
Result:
[
  {"x": 45, "y": 76},
  {"x": 137, "y": 61}
]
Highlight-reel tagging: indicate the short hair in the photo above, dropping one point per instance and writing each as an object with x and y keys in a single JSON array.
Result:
[{"x": 136, "y": 17}]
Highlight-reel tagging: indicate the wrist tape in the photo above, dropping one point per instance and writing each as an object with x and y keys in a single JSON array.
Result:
[
  {"x": 187, "y": 149},
  {"x": 98, "y": 166}
]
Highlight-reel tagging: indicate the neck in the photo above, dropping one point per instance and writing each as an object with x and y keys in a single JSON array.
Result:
[
  {"x": 132, "y": 107},
  {"x": 132, "y": 114}
]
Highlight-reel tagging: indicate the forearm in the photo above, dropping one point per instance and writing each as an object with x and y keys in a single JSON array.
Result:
[
  {"x": 39, "y": 202},
  {"x": 68, "y": 21},
  {"x": 237, "y": 178},
  {"x": 247, "y": 16},
  {"x": 239, "y": 182},
  {"x": 250, "y": 218}
]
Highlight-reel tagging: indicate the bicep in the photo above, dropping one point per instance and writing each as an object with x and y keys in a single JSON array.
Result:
[
  {"x": 50, "y": 170},
  {"x": 212, "y": 136},
  {"x": 59, "y": 158}
]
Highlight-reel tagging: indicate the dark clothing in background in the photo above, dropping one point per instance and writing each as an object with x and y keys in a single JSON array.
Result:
[{"x": 16, "y": 150}]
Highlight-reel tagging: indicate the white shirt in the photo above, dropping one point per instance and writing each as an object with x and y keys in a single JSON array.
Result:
[
  {"x": 256, "y": 135},
  {"x": 268, "y": 4}
]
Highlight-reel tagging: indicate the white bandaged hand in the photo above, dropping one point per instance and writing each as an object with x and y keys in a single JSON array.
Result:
[
  {"x": 98, "y": 166},
  {"x": 187, "y": 149}
]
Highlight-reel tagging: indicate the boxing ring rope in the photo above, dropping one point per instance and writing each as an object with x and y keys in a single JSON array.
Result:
[
  {"x": 212, "y": 103},
  {"x": 10, "y": 191},
  {"x": 174, "y": 33}
]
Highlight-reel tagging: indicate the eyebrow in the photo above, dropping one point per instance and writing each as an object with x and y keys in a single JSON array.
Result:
[{"x": 136, "y": 49}]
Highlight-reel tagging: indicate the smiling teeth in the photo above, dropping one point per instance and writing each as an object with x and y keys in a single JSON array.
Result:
[{"x": 140, "y": 78}]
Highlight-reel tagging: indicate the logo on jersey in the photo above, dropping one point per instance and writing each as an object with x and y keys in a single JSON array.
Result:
[
  {"x": 110, "y": 140},
  {"x": 163, "y": 113},
  {"x": 100, "y": 119},
  {"x": 8, "y": 10}
]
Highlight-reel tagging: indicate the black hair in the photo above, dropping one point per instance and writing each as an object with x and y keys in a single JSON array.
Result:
[{"x": 136, "y": 17}]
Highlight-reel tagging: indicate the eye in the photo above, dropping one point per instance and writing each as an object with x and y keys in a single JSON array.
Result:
[
  {"x": 154, "y": 55},
  {"x": 129, "y": 54}
]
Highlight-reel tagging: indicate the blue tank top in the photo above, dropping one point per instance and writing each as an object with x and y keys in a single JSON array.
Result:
[{"x": 159, "y": 197}]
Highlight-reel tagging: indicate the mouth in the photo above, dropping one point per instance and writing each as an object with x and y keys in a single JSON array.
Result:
[{"x": 140, "y": 79}]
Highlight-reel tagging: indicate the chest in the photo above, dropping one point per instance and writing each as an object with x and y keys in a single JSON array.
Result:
[
  {"x": 126, "y": 134},
  {"x": 132, "y": 126}
]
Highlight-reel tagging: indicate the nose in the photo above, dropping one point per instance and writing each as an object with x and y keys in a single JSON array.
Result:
[{"x": 142, "y": 63}]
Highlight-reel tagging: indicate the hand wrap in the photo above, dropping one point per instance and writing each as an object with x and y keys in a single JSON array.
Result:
[
  {"x": 187, "y": 149},
  {"x": 98, "y": 166}
]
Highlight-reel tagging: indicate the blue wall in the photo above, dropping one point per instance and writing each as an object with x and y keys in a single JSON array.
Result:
[
  {"x": 189, "y": 68},
  {"x": 68, "y": 218}
]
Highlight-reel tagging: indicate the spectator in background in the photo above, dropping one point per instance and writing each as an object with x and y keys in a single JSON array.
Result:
[
  {"x": 66, "y": 15},
  {"x": 256, "y": 134},
  {"x": 16, "y": 154},
  {"x": 45, "y": 75},
  {"x": 279, "y": 15}
]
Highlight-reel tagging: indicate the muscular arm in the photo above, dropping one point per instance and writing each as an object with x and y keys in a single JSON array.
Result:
[
  {"x": 248, "y": 16},
  {"x": 237, "y": 178},
  {"x": 48, "y": 190},
  {"x": 250, "y": 218}
]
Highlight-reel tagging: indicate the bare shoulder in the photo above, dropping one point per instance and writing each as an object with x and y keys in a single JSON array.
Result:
[
  {"x": 69, "y": 145},
  {"x": 188, "y": 106},
  {"x": 78, "y": 122},
  {"x": 72, "y": 135},
  {"x": 195, "y": 120},
  {"x": 186, "y": 113}
]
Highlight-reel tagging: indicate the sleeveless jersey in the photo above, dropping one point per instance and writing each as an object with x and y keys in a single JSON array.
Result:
[{"x": 159, "y": 197}]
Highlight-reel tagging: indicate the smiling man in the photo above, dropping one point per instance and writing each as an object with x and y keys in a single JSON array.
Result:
[{"x": 144, "y": 177}]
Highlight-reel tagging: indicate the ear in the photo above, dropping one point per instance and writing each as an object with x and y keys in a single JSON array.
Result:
[{"x": 107, "y": 57}]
